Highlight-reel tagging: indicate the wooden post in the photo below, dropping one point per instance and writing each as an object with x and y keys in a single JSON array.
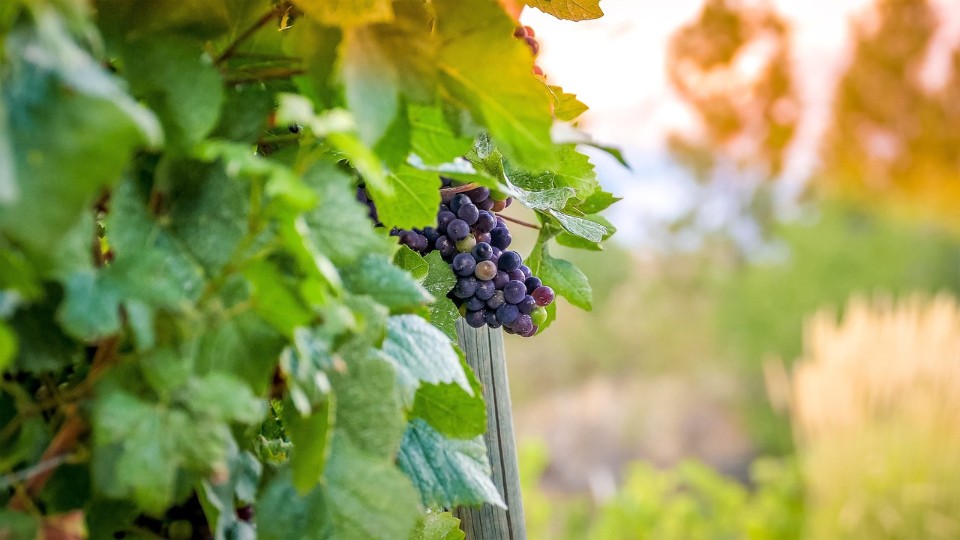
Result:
[{"x": 484, "y": 350}]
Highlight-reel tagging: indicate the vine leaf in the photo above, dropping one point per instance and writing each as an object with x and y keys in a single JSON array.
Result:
[
  {"x": 438, "y": 526},
  {"x": 571, "y": 10},
  {"x": 447, "y": 472},
  {"x": 422, "y": 353},
  {"x": 489, "y": 72}
]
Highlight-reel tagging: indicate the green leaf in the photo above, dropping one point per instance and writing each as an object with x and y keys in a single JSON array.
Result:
[
  {"x": 173, "y": 75},
  {"x": 282, "y": 511},
  {"x": 450, "y": 410},
  {"x": 488, "y": 72},
  {"x": 208, "y": 211},
  {"x": 566, "y": 280},
  {"x": 369, "y": 79},
  {"x": 411, "y": 202},
  {"x": 412, "y": 262},
  {"x": 91, "y": 309},
  {"x": 368, "y": 405},
  {"x": 438, "y": 526},
  {"x": 447, "y": 472},
  {"x": 566, "y": 106},
  {"x": 431, "y": 137},
  {"x": 310, "y": 436},
  {"x": 377, "y": 277},
  {"x": 73, "y": 130},
  {"x": 368, "y": 498},
  {"x": 571, "y": 10},
  {"x": 579, "y": 242},
  {"x": 597, "y": 201},
  {"x": 347, "y": 12},
  {"x": 422, "y": 353},
  {"x": 581, "y": 227},
  {"x": 8, "y": 346},
  {"x": 339, "y": 226},
  {"x": 243, "y": 345},
  {"x": 439, "y": 281},
  {"x": 275, "y": 299}
]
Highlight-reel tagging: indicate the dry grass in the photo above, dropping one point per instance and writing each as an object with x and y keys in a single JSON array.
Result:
[{"x": 875, "y": 403}]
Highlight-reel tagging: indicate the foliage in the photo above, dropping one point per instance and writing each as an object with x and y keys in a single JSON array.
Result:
[
  {"x": 201, "y": 331},
  {"x": 688, "y": 501}
]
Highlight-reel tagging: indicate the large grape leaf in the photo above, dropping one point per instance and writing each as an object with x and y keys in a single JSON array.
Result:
[
  {"x": 563, "y": 276},
  {"x": 447, "y": 472},
  {"x": 421, "y": 353},
  {"x": 412, "y": 201},
  {"x": 432, "y": 138},
  {"x": 571, "y": 10},
  {"x": 378, "y": 278},
  {"x": 489, "y": 72},
  {"x": 72, "y": 130},
  {"x": 171, "y": 74},
  {"x": 451, "y": 410}
]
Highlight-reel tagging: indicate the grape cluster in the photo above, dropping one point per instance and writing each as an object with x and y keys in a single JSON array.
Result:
[{"x": 494, "y": 287}]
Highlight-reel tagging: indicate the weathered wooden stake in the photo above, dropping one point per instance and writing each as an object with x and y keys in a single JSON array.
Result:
[{"x": 484, "y": 350}]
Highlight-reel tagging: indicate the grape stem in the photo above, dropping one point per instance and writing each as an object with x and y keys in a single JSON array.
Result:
[
  {"x": 270, "y": 73},
  {"x": 457, "y": 189},
  {"x": 263, "y": 20},
  {"x": 520, "y": 222}
]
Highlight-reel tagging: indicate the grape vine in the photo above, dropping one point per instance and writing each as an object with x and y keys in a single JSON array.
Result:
[{"x": 203, "y": 333}]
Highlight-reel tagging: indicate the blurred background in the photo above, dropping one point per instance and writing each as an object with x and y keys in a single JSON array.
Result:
[{"x": 774, "y": 342}]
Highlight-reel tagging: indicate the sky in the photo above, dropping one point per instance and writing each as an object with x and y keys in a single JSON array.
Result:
[{"x": 616, "y": 65}]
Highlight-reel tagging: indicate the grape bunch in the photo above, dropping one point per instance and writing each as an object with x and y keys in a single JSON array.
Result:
[{"x": 494, "y": 287}]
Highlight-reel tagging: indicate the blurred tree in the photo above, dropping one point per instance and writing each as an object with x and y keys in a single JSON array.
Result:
[
  {"x": 731, "y": 65},
  {"x": 894, "y": 139}
]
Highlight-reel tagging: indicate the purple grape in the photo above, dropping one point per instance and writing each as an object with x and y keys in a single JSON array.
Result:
[
  {"x": 527, "y": 305},
  {"x": 482, "y": 251},
  {"x": 490, "y": 317},
  {"x": 532, "y": 283},
  {"x": 526, "y": 271},
  {"x": 485, "y": 222},
  {"x": 468, "y": 213},
  {"x": 532, "y": 332},
  {"x": 485, "y": 290},
  {"x": 516, "y": 275},
  {"x": 475, "y": 319},
  {"x": 475, "y": 304},
  {"x": 463, "y": 264},
  {"x": 443, "y": 220},
  {"x": 522, "y": 324},
  {"x": 431, "y": 235},
  {"x": 485, "y": 270},
  {"x": 496, "y": 300},
  {"x": 514, "y": 291},
  {"x": 445, "y": 246},
  {"x": 500, "y": 279},
  {"x": 483, "y": 237},
  {"x": 486, "y": 204},
  {"x": 465, "y": 287},
  {"x": 479, "y": 194},
  {"x": 409, "y": 239},
  {"x": 509, "y": 260},
  {"x": 507, "y": 313},
  {"x": 458, "y": 230},
  {"x": 459, "y": 200},
  {"x": 500, "y": 237},
  {"x": 543, "y": 295}
]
